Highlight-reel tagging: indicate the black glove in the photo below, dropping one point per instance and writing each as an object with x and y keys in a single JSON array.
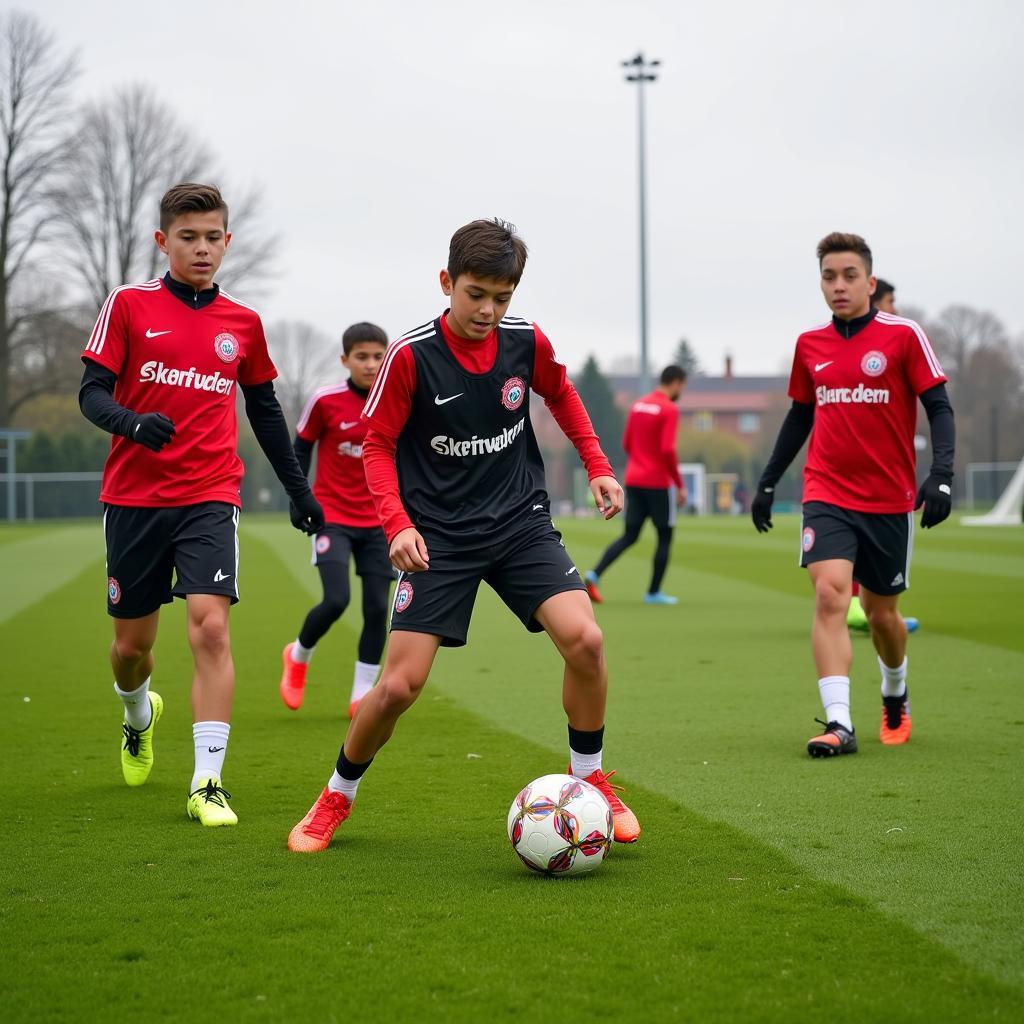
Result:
[
  {"x": 936, "y": 496},
  {"x": 761, "y": 508},
  {"x": 152, "y": 430},
  {"x": 306, "y": 514}
]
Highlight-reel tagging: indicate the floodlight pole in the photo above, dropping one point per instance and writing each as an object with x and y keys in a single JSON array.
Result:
[{"x": 641, "y": 70}]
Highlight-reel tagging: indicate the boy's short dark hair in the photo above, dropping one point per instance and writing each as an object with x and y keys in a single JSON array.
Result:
[
  {"x": 882, "y": 288},
  {"x": 672, "y": 373},
  {"x": 841, "y": 241},
  {"x": 487, "y": 248},
  {"x": 190, "y": 197},
  {"x": 362, "y": 332}
]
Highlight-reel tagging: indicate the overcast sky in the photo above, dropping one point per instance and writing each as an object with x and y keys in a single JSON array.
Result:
[{"x": 377, "y": 128}]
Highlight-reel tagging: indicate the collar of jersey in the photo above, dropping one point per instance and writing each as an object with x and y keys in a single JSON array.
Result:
[
  {"x": 188, "y": 294},
  {"x": 848, "y": 328},
  {"x": 463, "y": 348}
]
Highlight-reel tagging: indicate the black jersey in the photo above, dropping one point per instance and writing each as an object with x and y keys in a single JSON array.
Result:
[{"x": 469, "y": 468}]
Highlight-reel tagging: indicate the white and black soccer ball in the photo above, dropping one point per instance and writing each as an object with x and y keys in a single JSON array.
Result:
[{"x": 560, "y": 825}]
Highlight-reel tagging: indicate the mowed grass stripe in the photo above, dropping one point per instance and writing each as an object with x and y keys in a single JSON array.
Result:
[{"x": 115, "y": 906}]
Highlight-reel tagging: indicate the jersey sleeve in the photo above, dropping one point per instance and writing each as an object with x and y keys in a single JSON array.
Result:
[
  {"x": 310, "y": 425},
  {"x": 923, "y": 368},
  {"x": 382, "y": 481},
  {"x": 256, "y": 366},
  {"x": 108, "y": 343},
  {"x": 390, "y": 399},
  {"x": 668, "y": 444},
  {"x": 801, "y": 384}
]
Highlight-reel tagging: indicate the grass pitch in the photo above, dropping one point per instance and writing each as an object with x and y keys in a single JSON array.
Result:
[{"x": 766, "y": 886}]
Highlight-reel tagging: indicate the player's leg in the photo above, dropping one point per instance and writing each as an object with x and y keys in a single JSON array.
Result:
[
  {"x": 376, "y": 573},
  {"x": 636, "y": 513},
  {"x": 663, "y": 514},
  {"x": 131, "y": 657}
]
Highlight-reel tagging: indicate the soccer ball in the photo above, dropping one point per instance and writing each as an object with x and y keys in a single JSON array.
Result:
[{"x": 560, "y": 825}]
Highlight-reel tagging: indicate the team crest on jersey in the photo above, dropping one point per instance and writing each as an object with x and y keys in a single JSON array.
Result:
[
  {"x": 513, "y": 393},
  {"x": 874, "y": 364},
  {"x": 403, "y": 596},
  {"x": 226, "y": 347},
  {"x": 323, "y": 544},
  {"x": 113, "y": 590},
  {"x": 807, "y": 538}
]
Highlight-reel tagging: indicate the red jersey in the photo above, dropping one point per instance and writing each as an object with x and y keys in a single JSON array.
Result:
[
  {"x": 865, "y": 388},
  {"x": 650, "y": 442},
  {"x": 332, "y": 420},
  {"x": 184, "y": 363}
]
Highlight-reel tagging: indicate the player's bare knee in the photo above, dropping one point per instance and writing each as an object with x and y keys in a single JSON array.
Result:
[
  {"x": 884, "y": 620},
  {"x": 210, "y": 634},
  {"x": 831, "y": 598},
  {"x": 399, "y": 692},
  {"x": 128, "y": 650},
  {"x": 586, "y": 652}
]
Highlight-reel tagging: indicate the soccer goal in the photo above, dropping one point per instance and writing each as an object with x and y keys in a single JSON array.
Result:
[{"x": 1007, "y": 511}]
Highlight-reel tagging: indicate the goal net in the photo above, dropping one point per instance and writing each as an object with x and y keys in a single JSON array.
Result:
[{"x": 1007, "y": 509}]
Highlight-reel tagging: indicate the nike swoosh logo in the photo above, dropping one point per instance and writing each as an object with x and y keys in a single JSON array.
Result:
[
  {"x": 213, "y": 750},
  {"x": 438, "y": 400},
  {"x": 221, "y": 576},
  {"x": 345, "y": 425},
  {"x": 155, "y": 334},
  {"x": 821, "y": 366},
  {"x": 571, "y": 571}
]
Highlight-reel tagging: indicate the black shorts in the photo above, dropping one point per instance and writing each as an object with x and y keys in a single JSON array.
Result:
[
  {"x": 524, "y": 571},
  {"x": 655, "y": 503},
  {"x": 878, "y": 543},
  {"x": 196, "y": 545},
  {"x": 338, "y": 543}
]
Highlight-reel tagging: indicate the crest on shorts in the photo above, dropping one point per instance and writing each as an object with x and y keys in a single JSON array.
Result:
[
  {"x": 323, "y": 543},
  {"x": 113, "y": 590},
  {"x": 403, "y": 596},
  {"x": 874, "y": 364},
  {"x": 513, "y": 393},
  {"x": 226, "y": 347},
  {"x": 807, "y": 538}
]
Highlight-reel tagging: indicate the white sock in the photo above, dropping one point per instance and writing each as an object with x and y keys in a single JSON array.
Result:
[
  {"x": 211, "y": 743},
  {"x": 583, "y": 765},
  {"x": 363, "y": 678},
  {"x": 137, "y": 709},
  {"x": 835, "y": 696},
  {"x": 894, "y": 680},
  {"x": 347, "y": 787},
  {"x": 301, "y": 654}
]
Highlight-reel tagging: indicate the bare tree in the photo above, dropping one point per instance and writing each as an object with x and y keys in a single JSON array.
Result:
[
  {"x": 305, "y": 359},
  {"x": 128, "y": 151},
  {"x": 34, "y": 85}
]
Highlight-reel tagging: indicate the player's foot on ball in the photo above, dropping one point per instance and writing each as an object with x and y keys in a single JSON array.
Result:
[
  {"x": 313, "y": 834},
  {"x": 590, "y": 582},
  {"x": 659, "y": 598},
  {"x": 137, "y": 748},
  {"x": 895, "y": 720},
  {"x": 912, "y": 624},
  {"x": 627, "y": 828},
  {"x": 836, "y": 739},
  {"x": 208, "y": 804},
  {"x": 293, "y": 679}
]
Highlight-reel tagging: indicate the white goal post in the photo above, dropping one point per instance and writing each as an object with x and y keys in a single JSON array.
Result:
[{"x": 1007, "y": 510}]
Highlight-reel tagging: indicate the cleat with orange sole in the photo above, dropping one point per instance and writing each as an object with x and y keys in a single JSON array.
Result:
[
  {"x": 836, "y": 739},
  {"x": 626, "y": 827},
  {"x": 313, "y": 834},
  {"x": 895, "y": 720},
  {"x": 293, "y": 679},
  {"x": 590, "y": 582},
  {"x": 352, "y": 707}
]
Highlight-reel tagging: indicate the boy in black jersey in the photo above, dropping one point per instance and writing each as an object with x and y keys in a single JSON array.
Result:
[{"x": 457, "y": 478}]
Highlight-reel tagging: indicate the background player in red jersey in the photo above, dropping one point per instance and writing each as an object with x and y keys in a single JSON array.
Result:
[
  {"x": 864, "y": 371},
  {"x": 654, "y": 488},
  {"x": 161, "y": 367},
  {"x": 456, "y": 475},
  {"x": 332, "y": 421}
]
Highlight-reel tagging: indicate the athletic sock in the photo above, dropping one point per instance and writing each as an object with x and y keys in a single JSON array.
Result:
[
  {"x": 894, "y": 680},
  {"x": 211, "y": 743},
  {"x": 835, "y": 696},
  {"x": 347, "y": 776},
  {"x": 363, "y": 678},
  {"x": 137, "y": 709},
  {"x": 301, "y": 654},
  {"x": 585, "y": 748}
]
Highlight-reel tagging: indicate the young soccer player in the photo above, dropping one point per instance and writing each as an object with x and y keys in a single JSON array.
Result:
[
  {"x": 161, "y": 368},
  {"x": 332, "y": 421},
  {"x": 457, "y": 478},
  {"x": 855, "y": 383},
  {"x": 654, "y": 488}
]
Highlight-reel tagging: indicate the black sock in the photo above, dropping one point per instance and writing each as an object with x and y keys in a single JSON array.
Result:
[
  {"x": 583, "y": 741},
  {"x": 348, "y": 770}
]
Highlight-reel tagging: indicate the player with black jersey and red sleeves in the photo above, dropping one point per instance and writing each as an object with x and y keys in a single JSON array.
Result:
[
  {"x": 458, "y": 482},
  {"x": 855, "y": 384},
  {"x": 332, "y": 422},
  {"x": 162, "y": 369}
]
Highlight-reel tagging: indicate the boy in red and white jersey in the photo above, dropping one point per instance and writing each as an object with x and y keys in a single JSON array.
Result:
[
  {"x": 161, "y": 371},
  {"x": 332, "y": 420},
  {"x": 856, "y": 381}
]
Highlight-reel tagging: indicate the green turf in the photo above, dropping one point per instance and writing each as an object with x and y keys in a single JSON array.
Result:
[{"x": 766, "y": 886}]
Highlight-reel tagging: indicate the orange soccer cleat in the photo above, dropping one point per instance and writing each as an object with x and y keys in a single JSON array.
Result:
[
  {"x": 895, "y": 720},
  {"x": 836, "y": 739},
  {"x": 590, "y": 582},
  {"x": 293, "y": 679},
  {"x": 627, "y": 828},
  {"x": 313, "y": 834}
]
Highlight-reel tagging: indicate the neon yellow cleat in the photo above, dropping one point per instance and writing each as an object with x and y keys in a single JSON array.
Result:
[
  {"x": 855, "y": 617},
  {"x": 208, "y": 804},
  {"x": 137, "y": 751}
]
